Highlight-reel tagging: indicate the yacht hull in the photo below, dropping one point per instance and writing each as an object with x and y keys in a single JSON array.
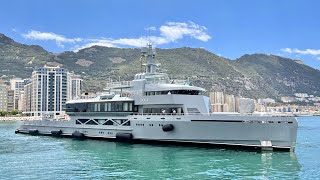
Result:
[{"x": 237, "y": 131}]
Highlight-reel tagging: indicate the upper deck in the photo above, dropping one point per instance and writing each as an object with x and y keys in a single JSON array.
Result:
[{"x": 150, "y": 92}]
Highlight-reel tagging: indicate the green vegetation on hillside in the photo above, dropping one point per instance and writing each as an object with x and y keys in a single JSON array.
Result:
[{"x": 256, "y": 76}]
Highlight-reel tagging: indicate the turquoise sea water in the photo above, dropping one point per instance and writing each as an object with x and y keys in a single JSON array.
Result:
[{"x": 44, "y": 157}]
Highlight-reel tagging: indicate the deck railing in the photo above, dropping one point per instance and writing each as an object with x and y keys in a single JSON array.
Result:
[
  {"x": 211, "y": 114},
  {"x": 176, "y": 114},
  {"x": 118, "y": 84}
]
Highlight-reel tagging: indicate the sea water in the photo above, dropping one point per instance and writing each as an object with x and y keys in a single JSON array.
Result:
[{"x": 44, "y": 157}]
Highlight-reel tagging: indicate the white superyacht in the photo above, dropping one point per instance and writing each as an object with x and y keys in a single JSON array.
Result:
[{"x": 153, "y": 108}]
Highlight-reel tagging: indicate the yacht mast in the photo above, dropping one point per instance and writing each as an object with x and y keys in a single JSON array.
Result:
[{"x": 149, "y": 54}]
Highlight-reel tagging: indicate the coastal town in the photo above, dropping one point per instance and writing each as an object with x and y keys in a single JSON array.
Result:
[
  {"x": 44, "y": 94},
  {"x": 301, "y": 104}
]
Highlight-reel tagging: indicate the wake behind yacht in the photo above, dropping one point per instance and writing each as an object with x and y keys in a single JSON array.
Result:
[{"x": 153, "y": 108}]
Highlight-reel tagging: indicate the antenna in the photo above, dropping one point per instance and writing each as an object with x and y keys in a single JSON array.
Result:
[
  {"x": 148, "y": 32},
  {"x": 149, "y": 42},
  {"x": 141, "y": 64}
]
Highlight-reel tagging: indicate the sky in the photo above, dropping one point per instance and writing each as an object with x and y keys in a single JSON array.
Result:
[{"x": 230, "y": 29}]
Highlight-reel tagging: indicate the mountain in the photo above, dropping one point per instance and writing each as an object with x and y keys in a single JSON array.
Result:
[
  {"x": 278, "y": 76},
  {"x": 19, "y": 59},
  {"x": 256, "y": 75}
]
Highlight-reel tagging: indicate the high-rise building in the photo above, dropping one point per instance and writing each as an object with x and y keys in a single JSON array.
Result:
[
  {"x": 17, "y": 85},
  {"x": 237, "y": 104},
  {"x": 28, "y": 97},
  {"x": 6, "y": 98},
  {"x": 217, "y": 101},
  {"x": 230, "y": 103},
  {"x": 21, "y": 102},
  {"x": 3, "y": 97},
  {"x": 76, "y": 87},
  {"x": 221, "y": 102},
  {"x": 217, "y": 97},
  {"x": 10, "y": 100},
  {"x": 50, "y": 89}
]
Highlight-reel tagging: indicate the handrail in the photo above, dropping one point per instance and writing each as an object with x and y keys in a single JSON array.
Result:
[
  {"x": 211, "y": 114},
  {"x": 158, "y": 114},
  {"x": 173, "y": 114},
  {"x": 119, "y": 84}
]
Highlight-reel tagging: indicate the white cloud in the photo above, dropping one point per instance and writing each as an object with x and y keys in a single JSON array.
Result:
[
  {"x": 142, "y": 41},
  {"x": 136, "y": 42},
  {"x": 170, "y": 32},
  {"x": 177, "y": 30},
  {"x": 37, "y": 35},
  {"x": 313, "y": 52},
  {"x": 287, "y": 50}
]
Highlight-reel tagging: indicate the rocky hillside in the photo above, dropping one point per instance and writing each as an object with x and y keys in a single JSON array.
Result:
[{"x": 257, "y": 75}]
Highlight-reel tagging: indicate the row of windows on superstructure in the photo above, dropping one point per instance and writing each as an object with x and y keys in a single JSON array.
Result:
[
  {"x": 164, "y": 110},
  {"x": 103, "y": 107},
  {"x": 184, "y": 92}
]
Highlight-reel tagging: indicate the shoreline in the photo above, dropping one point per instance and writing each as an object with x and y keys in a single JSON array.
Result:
[{"x": 21, "y": 118}]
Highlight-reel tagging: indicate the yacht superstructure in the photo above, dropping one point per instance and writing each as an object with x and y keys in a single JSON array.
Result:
[{"x": 154, "y": 108}]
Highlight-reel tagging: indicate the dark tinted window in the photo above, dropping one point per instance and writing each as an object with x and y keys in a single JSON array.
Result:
[{"x": 102, "y": 107}]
